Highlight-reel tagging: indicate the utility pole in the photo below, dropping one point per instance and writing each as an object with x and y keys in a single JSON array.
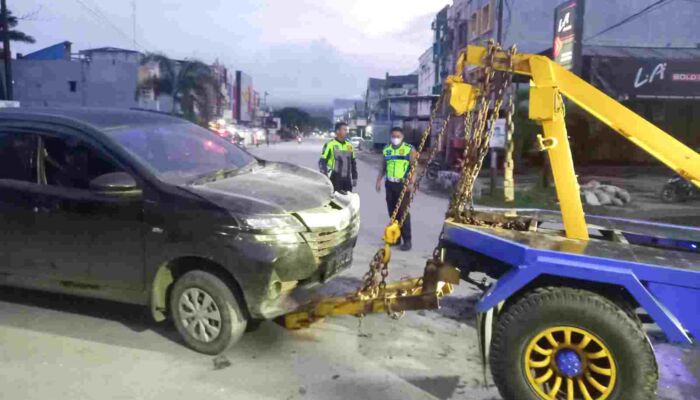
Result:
[
  {"x": 133, "y": 22},
  {"x": 7, "y": 54}
]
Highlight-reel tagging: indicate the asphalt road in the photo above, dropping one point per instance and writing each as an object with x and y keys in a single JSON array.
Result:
[{"x": 61, "y": 347}]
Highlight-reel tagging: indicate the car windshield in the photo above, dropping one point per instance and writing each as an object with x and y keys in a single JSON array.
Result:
[{"x": 181, "y": 152}]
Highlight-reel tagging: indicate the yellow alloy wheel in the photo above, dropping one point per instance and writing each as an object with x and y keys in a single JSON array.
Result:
[{"x": 567, "y": 363}]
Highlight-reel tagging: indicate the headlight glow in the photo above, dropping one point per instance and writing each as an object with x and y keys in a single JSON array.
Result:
[{"x": 275, "y": 224}]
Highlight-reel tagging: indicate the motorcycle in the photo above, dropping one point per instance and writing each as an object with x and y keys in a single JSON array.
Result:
[{"x": 678, "y": 189}]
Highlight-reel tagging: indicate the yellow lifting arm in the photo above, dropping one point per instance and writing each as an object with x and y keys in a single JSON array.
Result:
[{"x": 549, "y": 82}]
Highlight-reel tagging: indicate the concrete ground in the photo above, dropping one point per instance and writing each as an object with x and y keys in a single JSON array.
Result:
[{"x": 60, "y": 347}]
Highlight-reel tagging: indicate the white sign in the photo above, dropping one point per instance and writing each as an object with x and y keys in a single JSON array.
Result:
[{"x": 498, "y": 139}]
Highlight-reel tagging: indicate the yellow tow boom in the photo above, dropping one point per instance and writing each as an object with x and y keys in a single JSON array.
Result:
[{"x": 549, "y": 81}]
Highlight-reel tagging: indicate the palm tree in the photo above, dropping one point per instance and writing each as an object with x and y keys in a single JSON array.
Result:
[
  {"x": 15, "y": 35},
  {"x": 190, "y": 83}
]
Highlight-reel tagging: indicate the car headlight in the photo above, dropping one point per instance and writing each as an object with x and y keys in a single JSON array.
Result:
[
  {"x": 349, "y": 200},
  {"x": 274, "y": 224}
]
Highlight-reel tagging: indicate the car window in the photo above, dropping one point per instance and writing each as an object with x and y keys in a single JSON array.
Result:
[
  {"x": 180, "y": 152},
  {"x": 18, "y": 158},
  {"x": 71, "y": 163}
]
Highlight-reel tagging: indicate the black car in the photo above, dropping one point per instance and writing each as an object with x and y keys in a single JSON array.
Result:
[{"x": 145, "y": 208}]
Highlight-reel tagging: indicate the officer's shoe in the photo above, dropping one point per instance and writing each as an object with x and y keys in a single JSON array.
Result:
[{"x": 405, "y": 246}]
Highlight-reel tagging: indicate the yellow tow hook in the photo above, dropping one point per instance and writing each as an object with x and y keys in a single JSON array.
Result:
[{"x": 392, "y": 233}]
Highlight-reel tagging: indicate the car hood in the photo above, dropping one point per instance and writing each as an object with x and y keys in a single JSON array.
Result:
[{"x": 272, "y": 188}]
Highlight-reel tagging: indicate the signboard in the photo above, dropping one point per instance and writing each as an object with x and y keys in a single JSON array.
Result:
[
  {"x": 568, "y": 34},
  {"x": 634, "y": 77},
  {"x": 498, "y": 138},
  {"x": 244, "y": 98}
]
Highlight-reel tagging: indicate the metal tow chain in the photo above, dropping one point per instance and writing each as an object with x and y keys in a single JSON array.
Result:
[
  {"x": 370, "y": 286},
  {"x": 478, "y": 129},
  {"x": 508, "y": 182}
]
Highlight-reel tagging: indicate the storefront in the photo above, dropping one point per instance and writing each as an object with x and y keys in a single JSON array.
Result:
[{"x": 660, "y": 84}]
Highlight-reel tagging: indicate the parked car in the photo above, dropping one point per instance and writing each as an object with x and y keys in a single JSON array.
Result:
[
  {"x": 148, "y": 209},
  {"x": 357, "y": 142}
]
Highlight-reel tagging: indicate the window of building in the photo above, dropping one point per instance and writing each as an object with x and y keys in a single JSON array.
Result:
[
  {"x": 486, "y": 19},
  {"x": 73, "y": 86},
  {"x": 473, "y": 26},
  {"x": 18, "y": 156},
  {"x": 462, "y": 38}
]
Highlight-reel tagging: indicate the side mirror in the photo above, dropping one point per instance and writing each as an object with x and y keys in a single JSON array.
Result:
[{"x": 115, "y": 182}]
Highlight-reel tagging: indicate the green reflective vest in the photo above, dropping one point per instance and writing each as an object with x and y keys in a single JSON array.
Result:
[
  {"x": 398, "y": 160},
  {"x": 338, "y": 157}
]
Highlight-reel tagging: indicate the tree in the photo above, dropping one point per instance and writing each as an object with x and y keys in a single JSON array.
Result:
[
  {"x": 15, "y": 35},
  {"x": 293, "y": 118},
  {"x": 322, "y": 123},
  {"x": 190, "y": 83},
  {"x": 7, "y": 34}
]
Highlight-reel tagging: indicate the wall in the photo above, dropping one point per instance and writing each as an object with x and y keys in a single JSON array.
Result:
[
  {"x": 426, "y": 73},
  {"x": 110, "y": 83},
  {"x": 99, "y": 83},
  {"x": 531, "y": 24},
  {"x": 46, "y": 82}
]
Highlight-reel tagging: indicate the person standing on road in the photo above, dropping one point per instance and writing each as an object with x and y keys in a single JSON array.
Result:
[
  {"x": 395, "y": 166},
  {"x": 338, "y": 160}
]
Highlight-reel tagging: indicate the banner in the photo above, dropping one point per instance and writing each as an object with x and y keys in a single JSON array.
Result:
[
  {"x": 568, "y": 34},
  {"x": 634, "y": 77}
]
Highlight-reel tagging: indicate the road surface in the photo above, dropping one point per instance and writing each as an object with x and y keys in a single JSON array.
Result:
[{"x": 61, "y": 347}]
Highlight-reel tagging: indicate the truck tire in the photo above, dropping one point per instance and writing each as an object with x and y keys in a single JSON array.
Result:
[
  {"x": 206, "y": 313},
  {"x": 556, "y": 340}
]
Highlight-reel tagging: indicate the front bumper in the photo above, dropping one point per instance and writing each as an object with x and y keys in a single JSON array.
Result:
[{"x": 289, "y": 274}]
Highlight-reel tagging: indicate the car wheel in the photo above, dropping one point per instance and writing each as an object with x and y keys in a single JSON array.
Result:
[
  {"x": 206, "y": 312},
  {"x": 560, "y": 343}
]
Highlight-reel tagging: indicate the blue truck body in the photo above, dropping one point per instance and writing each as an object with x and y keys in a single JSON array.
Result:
[{"x": 658, "y": 265}]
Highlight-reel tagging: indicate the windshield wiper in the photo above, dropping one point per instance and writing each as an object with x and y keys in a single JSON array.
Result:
[{"x": 221, "y": 174}]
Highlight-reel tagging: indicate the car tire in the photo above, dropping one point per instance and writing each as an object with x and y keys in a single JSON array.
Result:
[
  {"x": 206, "y": 312},
  {"x": 526, "y": 365}
]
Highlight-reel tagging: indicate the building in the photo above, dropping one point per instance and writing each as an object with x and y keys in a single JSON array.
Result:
[
  {"x": 615, "y": 60},
  {"x": 342, "y": 108},
  {"x": 441, "y": 48},
  {"x": 102, "y": 77},
  {"x": 399, "y": 105},
  {"x": 373, "y": 93},
  {"x": 426, "y": 73}
]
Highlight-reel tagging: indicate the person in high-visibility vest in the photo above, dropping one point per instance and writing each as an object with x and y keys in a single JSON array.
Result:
[
  {"x": 338, "y": 160},
  {"x": 395, "y": 165}
]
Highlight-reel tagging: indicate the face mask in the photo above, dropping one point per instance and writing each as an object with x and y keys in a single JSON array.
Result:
[{"x": 396, "y": 141}]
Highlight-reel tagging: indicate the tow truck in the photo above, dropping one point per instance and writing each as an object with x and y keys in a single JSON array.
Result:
[{"x": 564, "y": 296}]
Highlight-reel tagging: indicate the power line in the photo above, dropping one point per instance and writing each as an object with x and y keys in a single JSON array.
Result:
[
  {"x": 653, "y": 6},
  {"x": 97, "y": 13}
]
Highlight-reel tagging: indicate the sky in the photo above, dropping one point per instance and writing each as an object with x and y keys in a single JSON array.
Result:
[{"x": 300, "y": 51}]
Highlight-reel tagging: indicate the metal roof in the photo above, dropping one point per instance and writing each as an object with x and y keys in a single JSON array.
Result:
[
  {"x": 669, "y": 53},
  {"x": 108, "y": 50}
]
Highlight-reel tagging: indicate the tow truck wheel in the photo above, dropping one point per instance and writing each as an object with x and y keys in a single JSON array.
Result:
[
  {"x": 570, "y": 344},
  {"x": 206, "y": 313}
]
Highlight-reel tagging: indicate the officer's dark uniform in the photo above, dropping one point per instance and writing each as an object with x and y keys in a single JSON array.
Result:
[
  {"x": 398, "y": 161},
  {"x": 338, "y": 162}
]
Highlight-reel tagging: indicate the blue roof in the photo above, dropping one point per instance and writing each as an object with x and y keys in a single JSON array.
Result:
[{"x": 58, "y": 51}]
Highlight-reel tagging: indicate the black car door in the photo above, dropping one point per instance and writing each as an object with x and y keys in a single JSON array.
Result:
[
  {"x": 85, "y": 235},
  {"x": 18, "y": 180}
]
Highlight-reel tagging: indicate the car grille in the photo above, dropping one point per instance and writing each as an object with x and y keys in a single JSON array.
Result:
[{"x": 329, "y": 229}]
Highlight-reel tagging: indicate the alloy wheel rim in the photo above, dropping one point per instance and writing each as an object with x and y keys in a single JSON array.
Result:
[
  {"x": 567, "y": 363},
  {"x": 200, "y": 315}
]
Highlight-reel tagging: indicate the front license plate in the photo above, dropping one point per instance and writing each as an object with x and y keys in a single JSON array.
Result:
[{"x": 337, "y": 263}]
